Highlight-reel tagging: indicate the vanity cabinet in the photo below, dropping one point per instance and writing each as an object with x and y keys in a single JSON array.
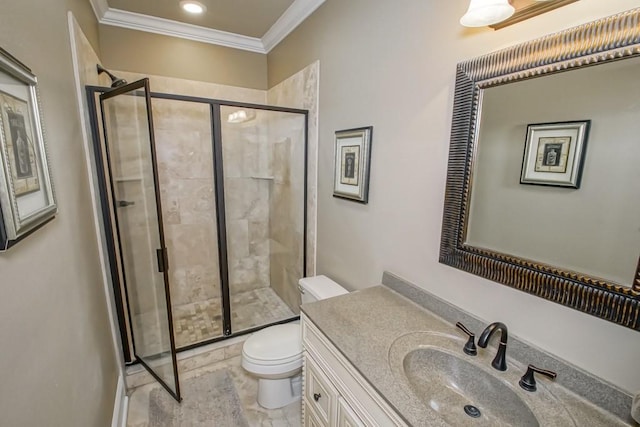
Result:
[{"x": 334, "y": 393}]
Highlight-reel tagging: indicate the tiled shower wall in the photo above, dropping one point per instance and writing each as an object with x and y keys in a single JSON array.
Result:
[
  {"x": 286, "y": 228},
  {"x": 133, "y": 183},
  {"x": 185, "y": 170},
  {"x": 264, "y": 249},
  {"x": 185, "y": 167},
  {"x": 246, "y": 163},
  {"x": 287, "y": 199}
]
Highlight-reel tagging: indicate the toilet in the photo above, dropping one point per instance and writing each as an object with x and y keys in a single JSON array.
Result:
[{"x": 274, "y": 354}]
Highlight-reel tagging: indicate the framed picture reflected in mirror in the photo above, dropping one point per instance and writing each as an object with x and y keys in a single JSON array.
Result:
[{"x": 554, "y": 153}]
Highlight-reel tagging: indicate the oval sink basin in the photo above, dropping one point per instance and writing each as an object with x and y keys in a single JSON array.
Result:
[
  {"x": 448, "y": 387},
  {"x": 458, "y": 391}
]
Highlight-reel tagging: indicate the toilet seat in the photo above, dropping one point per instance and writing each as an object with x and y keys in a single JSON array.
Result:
[{"x": 276, "y": 350}]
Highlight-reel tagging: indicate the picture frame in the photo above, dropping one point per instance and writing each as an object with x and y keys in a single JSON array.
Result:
[
  {"x": 352, "y": 164},
  {"x": 27, "y": 198},
  {"x": 554, "y": 153}
]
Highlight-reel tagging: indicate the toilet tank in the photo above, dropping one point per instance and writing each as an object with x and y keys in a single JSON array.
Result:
[{"x": 319, "y": 287}]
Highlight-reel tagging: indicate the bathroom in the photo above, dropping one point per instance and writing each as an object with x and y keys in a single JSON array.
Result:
[{"x": 380, "y": 65}]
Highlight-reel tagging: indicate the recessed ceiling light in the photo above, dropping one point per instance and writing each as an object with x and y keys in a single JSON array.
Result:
[{"x": 192, "y": 6}]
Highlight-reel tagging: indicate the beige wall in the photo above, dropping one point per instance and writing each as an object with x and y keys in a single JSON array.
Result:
[
  {"x": 394, "y": 68},
  {"x": 57, "y": 364},
  {"x": 86, "y": 19},
  {"x": 147, "y": 53}
]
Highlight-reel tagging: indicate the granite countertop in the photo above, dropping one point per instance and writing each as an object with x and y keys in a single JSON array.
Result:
[{"x": 364, "y": 324}]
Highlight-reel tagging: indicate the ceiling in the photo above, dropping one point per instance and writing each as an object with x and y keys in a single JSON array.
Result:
[
  {"x": 253, "y": 25},
  {"x": 251, "y": 18}
]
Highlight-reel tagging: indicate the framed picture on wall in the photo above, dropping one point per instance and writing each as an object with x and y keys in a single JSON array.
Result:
[
  {"x": 554, "y": 153},
  {"x": 27, "y": 199},
  {"x": 352, "y": 162}
]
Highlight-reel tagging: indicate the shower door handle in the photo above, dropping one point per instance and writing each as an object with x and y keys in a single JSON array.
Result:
[
  {"x": 124, "y": 203},
  {"x": 163, "y": 260}
]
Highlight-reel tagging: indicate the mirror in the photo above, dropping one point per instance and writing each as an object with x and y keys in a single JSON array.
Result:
[
  {"x": 559, "y": 112},
  {"x": 594, "y": 229}
]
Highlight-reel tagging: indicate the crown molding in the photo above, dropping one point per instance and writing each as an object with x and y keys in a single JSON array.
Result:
[
  {"x": 167, "y": 27},
  {"x": 100, "y": 7},
  {"x": 290, "y": 19}
]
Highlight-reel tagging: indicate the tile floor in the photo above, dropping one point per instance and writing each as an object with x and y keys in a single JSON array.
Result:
[
  {"x": 246, "y": 387},
  {"x": 200, "y": 321}
]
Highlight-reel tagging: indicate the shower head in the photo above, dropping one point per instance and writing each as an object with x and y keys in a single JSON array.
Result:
[{"x": 115, "y": 81}]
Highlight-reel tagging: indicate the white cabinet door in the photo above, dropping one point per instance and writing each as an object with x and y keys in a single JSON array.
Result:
[
  {"x": 346, "y": 416},
  {"x": 310, "y": 417},
  {"x": 334, "y": 391}
]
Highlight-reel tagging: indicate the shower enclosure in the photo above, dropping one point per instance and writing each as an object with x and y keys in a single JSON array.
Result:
[{"x": 206, "y": 198}]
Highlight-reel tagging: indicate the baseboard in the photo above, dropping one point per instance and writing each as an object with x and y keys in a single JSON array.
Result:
[{"x": 121, "y": 405}]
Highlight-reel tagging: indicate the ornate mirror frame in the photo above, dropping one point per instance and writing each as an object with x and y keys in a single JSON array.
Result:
[{"x": 609, "y": 39}]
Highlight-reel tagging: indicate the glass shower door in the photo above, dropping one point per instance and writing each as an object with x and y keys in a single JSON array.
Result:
[
  {"x": 263, "y": 153},
  {"x": 131, "y": 160}
]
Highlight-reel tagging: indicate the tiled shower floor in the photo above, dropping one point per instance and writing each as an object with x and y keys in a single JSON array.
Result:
[{"x": 200, "y": 321}]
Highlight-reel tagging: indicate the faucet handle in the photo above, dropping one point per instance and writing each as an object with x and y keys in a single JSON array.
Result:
[
  {"x": 470, "y": 346},
  {"x": 528, "y": 381}
]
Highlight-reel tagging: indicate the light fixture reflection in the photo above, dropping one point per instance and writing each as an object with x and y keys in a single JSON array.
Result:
[
  {"x": 192, "y": 6},
  {"x": 241, "y": 116},
  {"x": 486, "y": 12}
]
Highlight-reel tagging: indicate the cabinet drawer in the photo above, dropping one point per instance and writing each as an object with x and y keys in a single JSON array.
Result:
[
  {"x": 310, "y": 417},
  {"x": 319, "y": 393},
  {"x": 346, "y": 416}
]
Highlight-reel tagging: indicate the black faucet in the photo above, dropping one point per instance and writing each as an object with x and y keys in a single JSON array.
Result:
[{"x": 500, "y": 361}]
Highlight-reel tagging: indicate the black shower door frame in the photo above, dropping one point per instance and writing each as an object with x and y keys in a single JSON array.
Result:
[{"x": 124, "y": 321}]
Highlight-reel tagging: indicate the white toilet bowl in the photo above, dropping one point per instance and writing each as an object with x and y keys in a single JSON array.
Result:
[{"x": 274, "y": 355}]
